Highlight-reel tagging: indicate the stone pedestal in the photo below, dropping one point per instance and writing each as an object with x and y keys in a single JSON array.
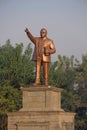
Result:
[{"x": 41, "y": 111}]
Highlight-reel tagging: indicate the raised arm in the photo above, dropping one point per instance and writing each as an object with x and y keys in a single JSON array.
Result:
[{"x": 30, "y": 36}]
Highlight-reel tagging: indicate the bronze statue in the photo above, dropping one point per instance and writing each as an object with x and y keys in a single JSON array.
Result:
[{"x": 44, "y": 47}]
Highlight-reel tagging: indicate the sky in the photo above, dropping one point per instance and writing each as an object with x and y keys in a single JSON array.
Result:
[{"x": 65, "y": 21}]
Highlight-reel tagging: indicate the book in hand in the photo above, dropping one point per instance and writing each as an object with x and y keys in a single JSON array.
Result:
[{"x": 46, "y": 51}]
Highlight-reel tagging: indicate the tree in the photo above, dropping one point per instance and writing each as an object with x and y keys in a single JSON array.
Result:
[
  {"x": 10, "y": 98},
  {"x": 15, "y": 65},
  {"x": 62, "y": 72},
  {"x": 81, "y": 80},
  {"x": 27, "y": 67}
]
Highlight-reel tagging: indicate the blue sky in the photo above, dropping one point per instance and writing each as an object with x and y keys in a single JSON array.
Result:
[{"x": 65, "y": 20}]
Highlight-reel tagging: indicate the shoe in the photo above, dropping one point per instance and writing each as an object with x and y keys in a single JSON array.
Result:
[
  {"x": 36, "y": 84},
  {"x": 46, "y": 84}
]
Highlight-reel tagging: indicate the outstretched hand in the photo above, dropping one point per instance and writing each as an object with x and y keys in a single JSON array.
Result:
[{"x": 26, "y": 30}]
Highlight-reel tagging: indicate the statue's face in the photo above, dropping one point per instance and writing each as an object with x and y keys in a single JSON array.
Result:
[{"x": 43, "y": 33}]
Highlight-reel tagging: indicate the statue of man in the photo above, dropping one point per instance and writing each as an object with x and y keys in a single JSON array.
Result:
[{"x": 44, "y": 47}]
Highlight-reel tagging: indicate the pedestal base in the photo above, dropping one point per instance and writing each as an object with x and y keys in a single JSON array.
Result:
[
  {"x": 41, "y": 98},
  {"x": 41, "y": 111}
]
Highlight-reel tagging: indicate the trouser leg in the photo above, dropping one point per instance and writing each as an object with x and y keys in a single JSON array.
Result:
[
  {"x": 38, "y": 69},
  {"x": 46, "y": 67}
]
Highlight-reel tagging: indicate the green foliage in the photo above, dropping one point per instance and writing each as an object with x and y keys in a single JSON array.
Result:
[
  {"x": 15, "y": 65},
  {"x": 70, "y": 101},
  {"x": 62, "y": 72},
  {"x": 81, "y": 118},
  {"x": 28, "y": 67},
  {"x": 10, "y": 98}
]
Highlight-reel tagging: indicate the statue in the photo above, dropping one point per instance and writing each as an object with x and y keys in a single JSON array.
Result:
[{"x": 44, "y": 47}]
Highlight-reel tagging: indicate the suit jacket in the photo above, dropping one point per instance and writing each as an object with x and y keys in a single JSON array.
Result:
[{"x": 41, "y": 46}]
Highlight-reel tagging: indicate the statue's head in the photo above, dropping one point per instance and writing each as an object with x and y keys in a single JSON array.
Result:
[{"x": 43, "y": 33}]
